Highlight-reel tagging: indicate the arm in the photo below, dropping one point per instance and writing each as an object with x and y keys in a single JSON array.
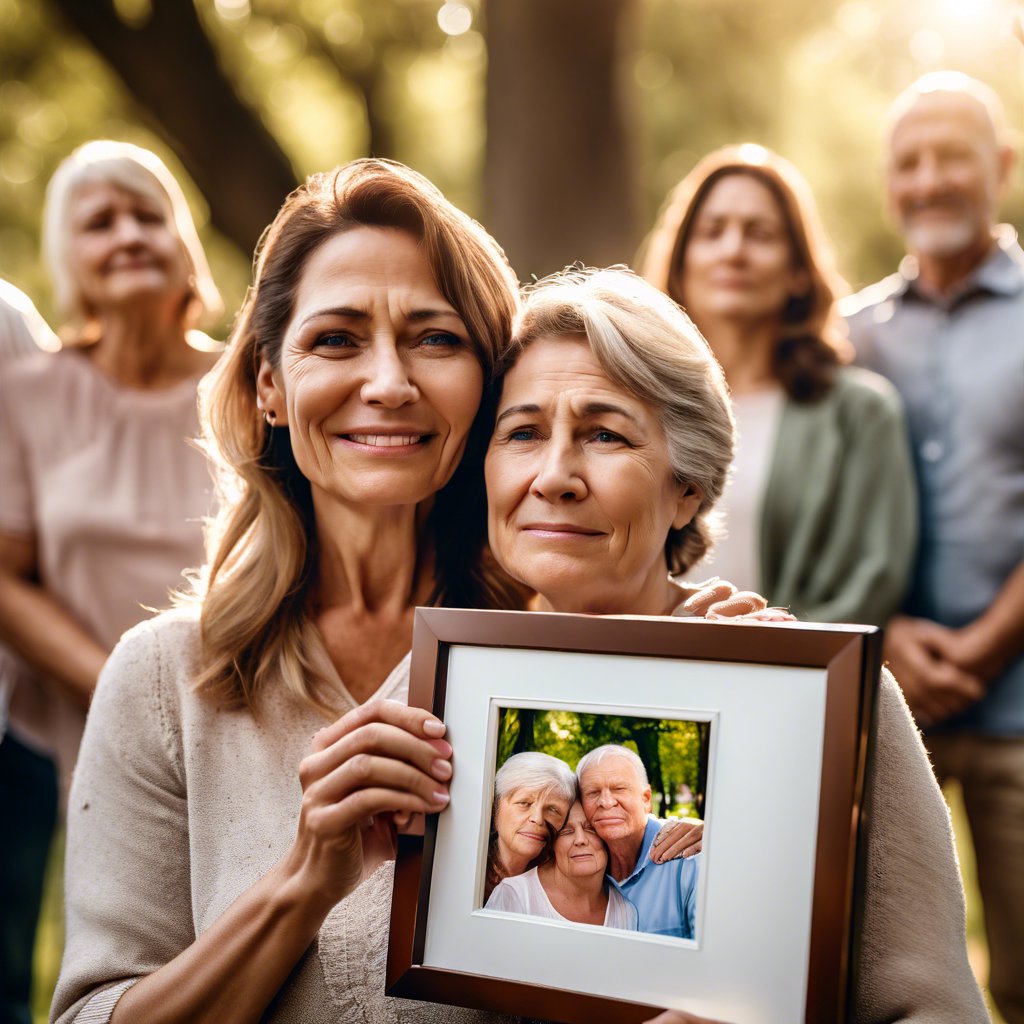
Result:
[
  {"x": 913, "y": 954},
  {"x": 35, "y": 625},
  {"x": 132, "y": 953},
  {"x": 864, "y": 568},
  {"x": 987, "y": 645}
]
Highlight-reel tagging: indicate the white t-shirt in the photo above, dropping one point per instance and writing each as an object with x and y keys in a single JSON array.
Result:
[
  {"x": 737, "y": 556},
  {"x": 524, "y": 894}
]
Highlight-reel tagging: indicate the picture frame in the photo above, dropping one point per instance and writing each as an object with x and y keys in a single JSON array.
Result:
[{"x": 790, "y": 707}]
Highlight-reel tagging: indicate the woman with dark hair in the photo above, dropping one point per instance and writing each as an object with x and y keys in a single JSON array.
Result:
[{"x": 820, "y": 508}]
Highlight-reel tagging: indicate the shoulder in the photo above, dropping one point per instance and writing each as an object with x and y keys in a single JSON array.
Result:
[
  {"x": 154, "y": 662},
  {"x": 860, "y": 306},
  {"x": 858, "y": 388}
]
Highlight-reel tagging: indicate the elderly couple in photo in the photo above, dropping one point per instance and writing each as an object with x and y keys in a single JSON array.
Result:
[{"x": 580, "y": 847}]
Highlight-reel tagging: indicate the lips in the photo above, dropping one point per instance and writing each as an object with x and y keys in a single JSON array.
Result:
[
  {"x": 559, "y": 529},
  {"x": 533, "y": 837}
]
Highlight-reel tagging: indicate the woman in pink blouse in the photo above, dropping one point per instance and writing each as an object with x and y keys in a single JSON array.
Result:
[{"x": 101, "y": 496}]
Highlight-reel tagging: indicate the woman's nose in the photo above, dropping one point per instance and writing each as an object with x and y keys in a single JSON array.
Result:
[
  {"x": 128, "y": 231},
  {"x": 559, "y": 476},
  {"x": 388, "y": 383},
  {"x": 732, "y": 241}
]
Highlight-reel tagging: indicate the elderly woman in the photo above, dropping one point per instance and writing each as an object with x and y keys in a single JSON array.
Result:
[
  {"x": 532, "y": 796},
  {"x": 820, "y": 505},
  {"x": 611, "y": 443},
  {"x": 219, "y": 866},
  {"x": 571, "y": 885},
  {"x": 101, "y": 496}
]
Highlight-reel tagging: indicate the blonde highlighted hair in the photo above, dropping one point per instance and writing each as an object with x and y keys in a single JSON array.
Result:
[
  {"x": 812, "y": 341},
  {"x": 649, "y": 347},
  {"x": 254, "y": 624},
  {"x": 136, "y": 170}
]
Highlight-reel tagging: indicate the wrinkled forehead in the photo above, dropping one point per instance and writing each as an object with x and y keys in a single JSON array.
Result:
[{"x": 611, "y": 770}]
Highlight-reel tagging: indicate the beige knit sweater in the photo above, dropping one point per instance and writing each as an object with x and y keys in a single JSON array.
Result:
[{"x": 177, "y": 808}]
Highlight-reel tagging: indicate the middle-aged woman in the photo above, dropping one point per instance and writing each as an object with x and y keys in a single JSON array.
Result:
[
  {"x": 101, "y": 496},
  {"x": 611, "y": 444},
  {"x": 820, "y": 507},
  {"x": 221, "y": 867},
  {"x": 533, "y": 792},
  {"x": 570, "y": 885}
]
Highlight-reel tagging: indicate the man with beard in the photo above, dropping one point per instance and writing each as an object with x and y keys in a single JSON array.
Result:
[{"x": 948, "y": 330}]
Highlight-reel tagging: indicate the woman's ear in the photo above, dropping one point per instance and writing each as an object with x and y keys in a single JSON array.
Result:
[
  {"x": 269, "y": 396},
  {"x": 687, "y": 505}
]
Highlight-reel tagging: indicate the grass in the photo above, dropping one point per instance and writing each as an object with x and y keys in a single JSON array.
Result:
[{"x": 977, "y": 947}]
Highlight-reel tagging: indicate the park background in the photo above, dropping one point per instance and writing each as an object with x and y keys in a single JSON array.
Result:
[{"x": 560, "y": 124}]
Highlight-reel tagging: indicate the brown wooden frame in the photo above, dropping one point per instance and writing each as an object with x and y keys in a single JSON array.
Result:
[{"x": 851, "y": 658}]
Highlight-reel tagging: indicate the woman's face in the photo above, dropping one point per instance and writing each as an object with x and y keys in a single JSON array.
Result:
[
  {"x": 581, "y": 492},
  {"x": 579, "y": 851},
  {"x": 738, "y": 261},
  {"x": 123, "y": 248},
  {"x": 378, "y": 380},
  {"x": 523, "y": 817}
]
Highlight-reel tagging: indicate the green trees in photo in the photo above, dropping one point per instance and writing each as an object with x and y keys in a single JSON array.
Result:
[{"x": 674, "y": 752}]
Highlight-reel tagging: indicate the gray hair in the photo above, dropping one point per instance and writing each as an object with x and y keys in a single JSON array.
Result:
[
  {"x": 602, "y": 753},
  {"x": 137, "y": 170},
  {"x": 534, "y": 770},
  {"x": 651, "y": 348}
]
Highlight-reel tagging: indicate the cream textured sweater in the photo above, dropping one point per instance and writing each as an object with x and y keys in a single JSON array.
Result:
[{"x": 177, "y": 808}]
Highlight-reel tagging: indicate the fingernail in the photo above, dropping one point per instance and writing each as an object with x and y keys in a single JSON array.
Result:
[
  {"x": 440, "y": 769},
  {"x": 433, "y": 727},
  {"x": 441, "y": 796}
]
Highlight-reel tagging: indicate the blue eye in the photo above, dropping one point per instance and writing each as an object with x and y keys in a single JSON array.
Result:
[
  {"x": 522, "y": 434},
  {"x": 334, "y": 340},
  {"x": 441, "y": 339},
  {"x": 606, "y": 437}
]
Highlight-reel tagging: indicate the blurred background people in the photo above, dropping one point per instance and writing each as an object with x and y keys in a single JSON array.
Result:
[
  {"x": 819, "y": 510},
  {"x": 101, "y": 496},
  {"x": 948, "y": 330},
  {"x": 28, "y": 781}
]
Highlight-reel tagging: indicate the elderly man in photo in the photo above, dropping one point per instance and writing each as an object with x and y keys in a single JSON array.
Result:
[
  {"x": 616, "y": 797},
  {"x": 948, "y": 331}
]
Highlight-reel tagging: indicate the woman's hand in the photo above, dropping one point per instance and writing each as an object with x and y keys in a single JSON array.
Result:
[
  {"x": 719, "y": 599},
  {"x": 681, "y": 837},
  {"x": 379, "y": 760}
]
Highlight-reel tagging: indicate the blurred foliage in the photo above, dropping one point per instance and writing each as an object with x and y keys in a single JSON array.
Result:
[
  {"x": 334, "y": 79},
  {"x": 673, "y": 752}
]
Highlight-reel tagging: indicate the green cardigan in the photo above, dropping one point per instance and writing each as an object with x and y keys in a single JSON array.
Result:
[{"x": 839, "y": 519}]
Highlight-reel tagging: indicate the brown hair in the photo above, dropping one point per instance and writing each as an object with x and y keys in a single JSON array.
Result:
[
  {"x": 811, "y": 343},
  {"x": 263, "y": 550}
]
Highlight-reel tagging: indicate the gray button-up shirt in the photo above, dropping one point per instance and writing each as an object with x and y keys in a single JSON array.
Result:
[{"x": 958, "y": 363}]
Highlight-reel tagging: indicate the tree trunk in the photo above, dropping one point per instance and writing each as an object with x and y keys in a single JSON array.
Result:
[
  {"x": 560, "y": 183},
  {"x": 170, "y": 67}
]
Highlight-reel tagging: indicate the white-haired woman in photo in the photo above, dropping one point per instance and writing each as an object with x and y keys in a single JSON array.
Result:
[
  {"x": 101, "y": 496},
  {"x": 612, "y": 440},
  {"x": 532, "y": 796}
]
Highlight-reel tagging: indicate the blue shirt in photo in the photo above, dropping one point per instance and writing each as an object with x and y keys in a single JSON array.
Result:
[{"x": 665, "y": 895}]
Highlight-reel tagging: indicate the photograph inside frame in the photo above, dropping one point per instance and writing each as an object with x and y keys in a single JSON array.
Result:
[{"x": 598, "y": 819}]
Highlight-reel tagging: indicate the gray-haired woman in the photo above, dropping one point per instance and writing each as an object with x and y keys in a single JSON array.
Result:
[{"x": 532, "y": 796}]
